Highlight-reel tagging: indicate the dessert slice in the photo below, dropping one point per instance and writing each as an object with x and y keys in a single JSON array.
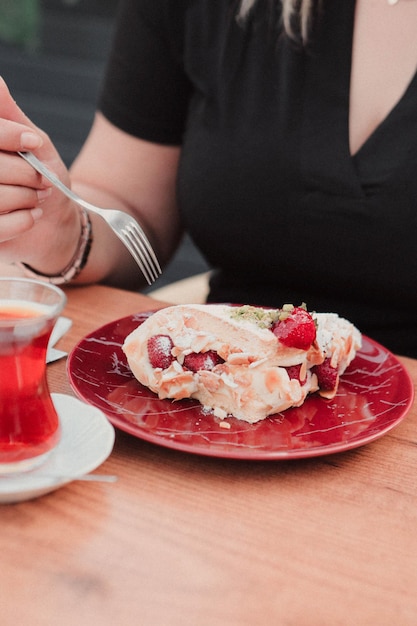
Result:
[{"x": 247, "y": 362}]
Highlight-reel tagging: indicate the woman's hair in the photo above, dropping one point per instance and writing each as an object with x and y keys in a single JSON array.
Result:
[{"x": 296, "y": 16}]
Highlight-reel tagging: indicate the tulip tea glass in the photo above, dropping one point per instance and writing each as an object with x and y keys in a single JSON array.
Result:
[{"x": 29, "y": 424}]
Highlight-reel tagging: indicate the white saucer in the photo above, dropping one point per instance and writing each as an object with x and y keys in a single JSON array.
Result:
[{"x": 87, "y": 440}]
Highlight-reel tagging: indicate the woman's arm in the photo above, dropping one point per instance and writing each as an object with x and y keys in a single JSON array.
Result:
[{"x": 119, "y": 171}]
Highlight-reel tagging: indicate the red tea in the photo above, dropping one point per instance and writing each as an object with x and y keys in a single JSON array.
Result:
[{"x": 29, "y": 425}]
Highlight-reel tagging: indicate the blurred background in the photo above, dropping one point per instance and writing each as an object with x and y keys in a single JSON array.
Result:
[{"x": 52, "y": 56}]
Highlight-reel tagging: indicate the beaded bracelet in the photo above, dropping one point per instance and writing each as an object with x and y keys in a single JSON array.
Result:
[{"x": 77, "y": 262}]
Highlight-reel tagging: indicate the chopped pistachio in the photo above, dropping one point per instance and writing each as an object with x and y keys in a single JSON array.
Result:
[{"x": 264, "y": 318}]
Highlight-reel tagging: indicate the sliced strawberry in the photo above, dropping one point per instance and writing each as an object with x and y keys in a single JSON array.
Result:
[
  {"x": 327, "y": 375},
  {"x": 202, "y": 360},
  {"x": 293, "y": 371},
  {"x": 159, "y": 351},
  {"x": 297, "y": 330}
]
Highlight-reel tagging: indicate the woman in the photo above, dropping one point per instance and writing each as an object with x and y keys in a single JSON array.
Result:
[{"x": 290, "y": 157}]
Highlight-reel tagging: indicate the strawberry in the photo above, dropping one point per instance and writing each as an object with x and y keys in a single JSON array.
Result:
[
  {"x": 327, "y": 375},
  {"x": 202, "y": 360},
  {"x": 293, "y": 371},
  {"x": 296, "y": 330},
  {"x": 159, "y": 351}
]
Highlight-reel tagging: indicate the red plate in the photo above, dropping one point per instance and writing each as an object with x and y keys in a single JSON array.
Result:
[{"x": 374, "y": 395}]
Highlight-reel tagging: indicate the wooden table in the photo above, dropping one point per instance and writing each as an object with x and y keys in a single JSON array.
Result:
[{"x": 188, "y": 540}]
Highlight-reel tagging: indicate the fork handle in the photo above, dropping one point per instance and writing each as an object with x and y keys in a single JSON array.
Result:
[{"x": 42, "y": 169}]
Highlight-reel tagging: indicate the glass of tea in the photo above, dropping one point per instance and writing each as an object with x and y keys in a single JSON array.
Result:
[{"x": 29, "y": 424}]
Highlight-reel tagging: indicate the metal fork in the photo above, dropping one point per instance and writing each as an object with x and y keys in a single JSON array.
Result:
[{"x": 122, "y": 224}]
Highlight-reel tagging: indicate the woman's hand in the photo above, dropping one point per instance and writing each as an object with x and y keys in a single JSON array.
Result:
[
  {"x": 37, "y": 224},
  {"x": 41, "y": 227}
]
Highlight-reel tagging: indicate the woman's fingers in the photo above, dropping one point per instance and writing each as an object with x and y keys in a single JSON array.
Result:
[
  {"x": 17, "y": 223},
  {"x": 20, "y": 188},
  {"x": 13, "y": 197},
  {"x": 15, "y": 136},
  {"x": 14, "y": 171}
]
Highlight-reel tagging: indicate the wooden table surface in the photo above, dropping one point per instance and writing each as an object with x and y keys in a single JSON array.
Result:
[{"x": 186, "y": 540}]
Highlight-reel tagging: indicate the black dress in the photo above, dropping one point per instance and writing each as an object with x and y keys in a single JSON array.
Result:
[{"x": 267, "y": 187}]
